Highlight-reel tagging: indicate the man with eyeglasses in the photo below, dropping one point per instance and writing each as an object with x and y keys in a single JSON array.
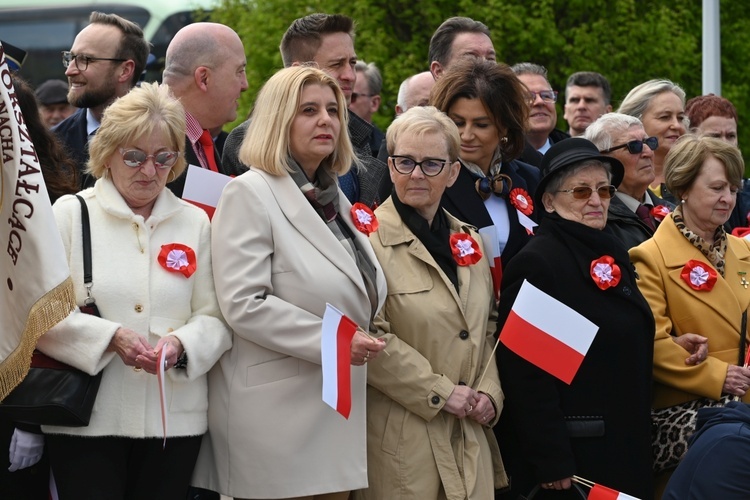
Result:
[
  {"x": 542, "y": 133},
  {"x": 104, "y": 63},
  {"x": 634, "y": 212},
  {"x": 205, "y": 69},
  {"x": 327, "y": 40}
]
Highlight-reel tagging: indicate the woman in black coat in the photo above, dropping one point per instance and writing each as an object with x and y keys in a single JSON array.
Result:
[{"x": 598, "y": 427}]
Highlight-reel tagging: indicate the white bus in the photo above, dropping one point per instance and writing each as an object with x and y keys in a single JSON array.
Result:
[{"x": 45, "y": 28}]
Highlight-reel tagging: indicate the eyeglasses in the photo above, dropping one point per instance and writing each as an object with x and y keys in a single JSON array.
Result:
[
  {"x": 135, "y": 158},
  {"x": 82, "y": 61},
  {"x": 356, "y": 96},
  {"x": 430, "y": 166},
  {"x": 584, "y": 192},
  {"x": 636, "y": 147},
  {"x": 546, "y": 95}
]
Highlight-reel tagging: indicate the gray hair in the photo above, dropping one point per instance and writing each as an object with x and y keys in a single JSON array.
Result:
[
  {"x": 608, "y": 125},
  {"x": 639, "y": 98},
  {"x": 372, "y": 75},
  {"x": 527, "y": 68}
]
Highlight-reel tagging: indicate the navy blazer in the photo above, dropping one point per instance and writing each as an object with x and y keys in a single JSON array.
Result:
[
  {"x": 72, "y": 133},
  {"x": 464, "y": 203}
]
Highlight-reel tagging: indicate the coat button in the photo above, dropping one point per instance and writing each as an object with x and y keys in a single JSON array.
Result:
[
  {"x": 463, "y": 335},
  {"x": 138, "y": 308},
  {"x": 435, "y": 400}
]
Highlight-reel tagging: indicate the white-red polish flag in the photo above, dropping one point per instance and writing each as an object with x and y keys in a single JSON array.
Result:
[
  {"x": 335, "y": 348},
  {"x": 547, "y": 333},
  {"x": 203, "y": 188},
  {"x": 492, "y": 251},
  {"x": 599, "y": 492}
]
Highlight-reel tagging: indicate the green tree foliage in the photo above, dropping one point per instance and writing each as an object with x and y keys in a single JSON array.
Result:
[{"x": 628, "y": 41}]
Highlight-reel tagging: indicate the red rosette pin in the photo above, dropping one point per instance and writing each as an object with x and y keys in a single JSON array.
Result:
[
  {"x": 465, "y": 249},
  {"x": 364, "y": 218},
  {"x": 178, "y": 258},
  {"x": 699, "y": 275},
  {"x": 659, "y": 212},
  {"x": 522, "y": 202},
  {"x": 605, "y": 272}
]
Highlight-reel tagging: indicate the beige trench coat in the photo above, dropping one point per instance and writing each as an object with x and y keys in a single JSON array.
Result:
[{"x": 436, "y": 339}]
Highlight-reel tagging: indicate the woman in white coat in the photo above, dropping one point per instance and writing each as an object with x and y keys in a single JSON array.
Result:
[
  {"x": 149, "y": 301},
  {"x": 286, "y": 244}
]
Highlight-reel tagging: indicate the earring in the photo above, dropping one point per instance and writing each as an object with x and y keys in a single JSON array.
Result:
[
  {"x": 504, "y": 140},
  {"x": 683, "y": 200}
]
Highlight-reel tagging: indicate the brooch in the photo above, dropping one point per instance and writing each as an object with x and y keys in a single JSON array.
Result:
[
  {"x": 605, "y": 272},
  {"x": 465, "y": 249},
  {"x": 177, "y": 258},
  {"x": 364, "y": 218},
  {"x": 699, "y": 275}
]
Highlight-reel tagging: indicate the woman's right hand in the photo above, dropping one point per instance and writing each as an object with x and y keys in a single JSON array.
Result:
[
  {"x": 129, "y": 345},
  {"x": 562, "y": 484},
  {"x": 462, "y": 401},
  {"x": 737, "y": 381},
  {"x": 365, "y": 348}
]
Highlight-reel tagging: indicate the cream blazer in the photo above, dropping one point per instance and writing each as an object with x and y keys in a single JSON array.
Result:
[{"x": 276, "y": 266}]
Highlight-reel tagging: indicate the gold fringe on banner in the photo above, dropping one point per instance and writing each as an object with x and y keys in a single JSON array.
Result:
[{"x": 50, "y": 309}]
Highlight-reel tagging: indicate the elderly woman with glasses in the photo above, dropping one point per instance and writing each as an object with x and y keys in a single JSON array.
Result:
[
  {"x": 595, "y": 422},
  {"x": 153, "y": 285},
  {"x": 434, "y": 396}
]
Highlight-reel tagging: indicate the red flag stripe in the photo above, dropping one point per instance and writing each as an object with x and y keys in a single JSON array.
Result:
[
  {"x": 208, "y": 208},
  {"x": 346, "y": 331},
  {"x": 540, "y": 348}
]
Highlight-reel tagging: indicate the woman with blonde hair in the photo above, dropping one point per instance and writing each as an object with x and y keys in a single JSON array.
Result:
[
  {"x": 153, "y": 285},
  {"x": 287, "y": 242}
]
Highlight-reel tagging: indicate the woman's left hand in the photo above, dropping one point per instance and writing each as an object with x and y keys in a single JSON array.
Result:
[
  {"x": 148, "y": 361},
  {"x": 484, "y": 411}
]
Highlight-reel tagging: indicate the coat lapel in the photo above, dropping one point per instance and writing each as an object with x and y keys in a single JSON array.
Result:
[{"x": 300, "y": 214}]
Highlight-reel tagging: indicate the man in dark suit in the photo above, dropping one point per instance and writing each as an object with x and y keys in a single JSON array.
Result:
[
  {"x": 328, "y": 41},
  {"x": 205, "y": 69},
  {"x": 104, "y": 63},
  {"x": 629, "y": 216}
]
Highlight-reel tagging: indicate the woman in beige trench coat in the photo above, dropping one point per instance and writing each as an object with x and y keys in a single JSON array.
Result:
[{"x": 429, "y": 418}]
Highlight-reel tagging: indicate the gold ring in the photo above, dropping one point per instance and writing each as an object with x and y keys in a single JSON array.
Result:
[
  {"x": 364, "y": 360},
  {"x": 137, "y": 368},
  {"x": 550, "y": 485},
  {"x": 470, "y": 408}
]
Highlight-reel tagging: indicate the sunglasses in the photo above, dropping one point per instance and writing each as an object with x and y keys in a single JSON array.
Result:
[
  {"x": 584, "y": 192},
  {"x": 636, "y": 147},
  {"x": 135, "y": 158},
  {"x": 430, "y": 166}
]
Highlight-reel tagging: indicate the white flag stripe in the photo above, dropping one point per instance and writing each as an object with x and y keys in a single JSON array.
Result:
[
  {"x": 554, "y": 318},
  {"x": 331, "y": 320},
  {"x": 490, "y": 243},
  {"x": 204, "y": 186}
]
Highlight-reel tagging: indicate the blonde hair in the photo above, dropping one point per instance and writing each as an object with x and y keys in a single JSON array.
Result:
[
  {"x": 141, "y": 112},
  {"x": 266, "y": 143},
  {"x": 685, "y": 159},
  {"x": 421, "y": 121}
]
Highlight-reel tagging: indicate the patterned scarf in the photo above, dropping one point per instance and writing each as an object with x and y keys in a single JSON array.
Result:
[{"x": 713, "y": 252}]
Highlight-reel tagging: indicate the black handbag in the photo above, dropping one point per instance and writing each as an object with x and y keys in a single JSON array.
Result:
[
  {"x": 671, "y": 427},
  {"x": 53, "y": 393}
]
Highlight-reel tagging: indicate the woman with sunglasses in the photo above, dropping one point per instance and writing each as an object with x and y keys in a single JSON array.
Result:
[
  {"x": 433, "y": 398},
  {"x": 635, "y": 211},
  {"x": 153, "y": 285},
  {"x": 660, "y": 105},
  {"x": 597, "y": 425},
  {"x": 696, "y": 277}
]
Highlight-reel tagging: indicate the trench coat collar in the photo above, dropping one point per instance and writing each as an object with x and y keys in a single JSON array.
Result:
[
  {"x": 393, "y": 232},
  {"x": 728, "y": 291},
  {"x": 300, "y": 214}
]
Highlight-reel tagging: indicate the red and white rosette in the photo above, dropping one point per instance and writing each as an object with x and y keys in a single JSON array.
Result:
[
  {"x": 605, "y": 272},
  {"x": 699, "y": 275},
  {"x": 465, "y": 249},
  {"x": 364, "y": 218},
  {"x": 524, "y": 205},
  {"x": 659, "y": 212},
  {"x": 178, "y": 258}
]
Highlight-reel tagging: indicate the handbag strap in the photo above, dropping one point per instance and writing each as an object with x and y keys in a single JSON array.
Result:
[
  {"x": 88, "y": 279},
  {"x": 743, "y": 340}
]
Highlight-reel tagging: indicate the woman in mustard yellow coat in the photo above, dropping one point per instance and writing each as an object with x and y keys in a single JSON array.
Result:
[{"x": 695, "y": 277}]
